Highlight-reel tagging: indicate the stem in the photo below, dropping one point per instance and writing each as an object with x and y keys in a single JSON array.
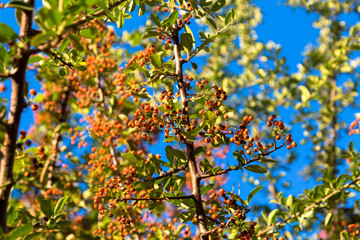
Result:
[
  {"x": 50, "y": 163},
  {"x": 8, "y": 148},
  {"x": 195, "y": 176}
]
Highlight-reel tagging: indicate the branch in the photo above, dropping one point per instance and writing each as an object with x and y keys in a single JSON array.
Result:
[
  {"x": 190, "y": 149},
  {"x": 8, "y": 147},
  {"x": 246, "y": 163},
  {"x": 60, "y": 59},
  {"x": 315, "y": 204},
  {"x": 169, "y": 173},
  {"x": 49, "y": 165},
  {"x": 223, "y": 225},
  {"x": 157, "y": 198},
  {"x": 197, "y": 50},
  {"x": 5, "y": 75}
]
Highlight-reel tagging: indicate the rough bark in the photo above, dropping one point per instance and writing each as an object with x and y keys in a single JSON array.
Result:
[{"x": 17, "y": 103}]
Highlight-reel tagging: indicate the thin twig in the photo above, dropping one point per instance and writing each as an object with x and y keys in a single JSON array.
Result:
[
  {"x": 236, "y": 167},
  {"x": 157, "y": 198}
]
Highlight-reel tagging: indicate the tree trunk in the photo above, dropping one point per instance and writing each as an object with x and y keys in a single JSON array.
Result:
[{"x": 17, "y": 103}]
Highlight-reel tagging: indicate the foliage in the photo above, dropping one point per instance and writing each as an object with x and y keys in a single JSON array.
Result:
[{"x": 88, "y": 168}]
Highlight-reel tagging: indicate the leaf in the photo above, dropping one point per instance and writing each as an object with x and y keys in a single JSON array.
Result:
[
  {"x": 212, "y": 23},
  {"x": 229, "y": 16},
  {"x": 199, "y": 150},
  {"x": 206, "y": 188},
  {"x": 305, "y": 94},
  {"x": 172, "y": 153},
  {"x": 76, "y": 41},
  {"x": 11, "y": 215},
  {"x": 218, "y": 5},
  {"x": 34, "y": 59},
  {"x": 194, "y": 66},
  {"x": 272, "y": 217},
  {"x": 171, "y": 19},
  {"x": 19, "y": 5},
  {"x": 46, "y": 206},
  {"x": 253, "y": 192},
  {"x": 19, "y": 231},
  {"x": 328, "y": 218},
  {"x": 60, "y": 204},
  {"x": 141, "y": 9},
  {"x": 351, "y": 146},
  {"x": 186, "y": 216},
  {"x": 90, "y": 32},
  {"x": 32, "y": 235},
  {"x": 256, "y": 168},
  {"x": 188, "y": 30},
  {"x": 187, "y": 42},
  {"x": 156, "y": 61},
  {"x": 155, "y": 18},
  {"x": 239, "y": 157},
  {"x": 7, "y": 33},
  {"x": 62, "y": 127},
  {"x": 149, "y": 34}
]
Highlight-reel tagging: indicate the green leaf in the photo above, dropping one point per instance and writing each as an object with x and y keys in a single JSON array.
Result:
[
  {"x": 172, "y": 153},
  {"x": 60, "y": 204},
  {"x": 212, "y": 23},
  {"x": 62, "y": 127},
  {"x": 121, "y": 20},
  {"x": 131, "y": 157},
  {"x": 46, "y": 206},
  {"x": 206, "y": 188},
  {"x": 7, "y": 33},
  {"x": 328, "y": 218},
  {"x": 256, "y": 168},
  {"x": 156, "y": 20},
  {"x": 156, "y": 61},
  {"x": 239, "y": 157},
  {"x": 171, "y": 19},
  {"x": 199, "y": 150},
  {"x": 305, "y": 94},
  {"x": 229, "y": 16},
  {"x": 187, "y": 216},
  {"x": 351, "y": 146},
  {"x": 63, "y": 45},
  {"x": 132, "y": 6},
  {"x": 141, "y": 9},
  {"x": 90, "y": 32},
  {"x": 272, "y": 217},
  {"x": 187, "y": 42},
  {"x": 253, "y": 192},
  {"x": 34, "y": 59},
  {"x": 149, "y": 34},
  {"x": 11, "y": 215},
  {"x": 218, "y": 5},
  {"x": 76, "y": 41},
  {"x": 188, "y": 30},
  {"x": 20, "y": 231},
  {"x": 19, "y": 5},
  {"x": 63, "y": 224},
  {"x": 32, "y": 235},
  {"x": 62, "y": 72}
]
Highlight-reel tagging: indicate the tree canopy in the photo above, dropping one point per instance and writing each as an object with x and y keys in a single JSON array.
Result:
[{"x": 139, "y": 134}]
